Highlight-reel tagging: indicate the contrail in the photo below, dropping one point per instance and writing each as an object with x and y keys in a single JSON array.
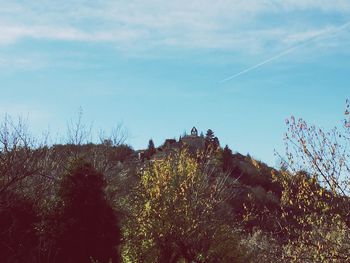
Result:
[{"x": 319, "y": 36}]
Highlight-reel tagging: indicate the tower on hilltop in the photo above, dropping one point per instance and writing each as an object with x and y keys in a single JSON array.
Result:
[{"x": 194, "y": 132}]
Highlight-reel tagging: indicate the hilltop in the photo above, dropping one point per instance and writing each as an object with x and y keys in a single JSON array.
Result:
[{"x": 186, "y": 200}]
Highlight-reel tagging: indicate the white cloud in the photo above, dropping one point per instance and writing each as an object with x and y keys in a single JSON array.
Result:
[
  {"x": 10, "y": 34},
  {"x": 342, "y": 6},
  {"x": 222, "y": 24}
]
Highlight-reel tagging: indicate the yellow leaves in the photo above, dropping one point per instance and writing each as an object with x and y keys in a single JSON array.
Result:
[
  {"x": 255, "y": 163},
  {"x": 305, "y": 184},
  {"x": 322, "y": 234},
  {"x": 321, "y": 192},
  {"x": 324, "y": 242},
  {"x": 174, "y": 197},
  {"x": 148, "y": 206}
]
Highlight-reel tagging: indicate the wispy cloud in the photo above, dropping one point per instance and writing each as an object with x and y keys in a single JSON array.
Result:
[
  {"x": 230, "y": 25},
  {"x": 10, "y": 34}
]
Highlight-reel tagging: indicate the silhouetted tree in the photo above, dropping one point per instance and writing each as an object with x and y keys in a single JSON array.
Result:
[
  {"x": 209, "y": 136},
  {"x": 216, "y": 143},
  {"x": 87, "y": 227},
  {"x": 18, "y": 239},
  {"x": 227, "y": 159},
  {"x": 151, "y": 150},
  {"x": 211, "y": 142}
]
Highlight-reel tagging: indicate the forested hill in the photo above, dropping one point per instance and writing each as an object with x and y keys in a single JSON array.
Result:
[{"x": 186, "y": 200}]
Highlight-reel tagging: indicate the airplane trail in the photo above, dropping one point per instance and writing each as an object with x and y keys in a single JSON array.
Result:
[{"x": 312, "y": 39}]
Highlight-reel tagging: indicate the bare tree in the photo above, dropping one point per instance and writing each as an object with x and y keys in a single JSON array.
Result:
[
  {"x": 78, "y": 133},
  {"x": 117, "y": 136},
  {"x": 18, "y": 159}
]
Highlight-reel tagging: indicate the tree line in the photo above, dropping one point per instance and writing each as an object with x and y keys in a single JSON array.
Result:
[{"x": 97, "y": 202}]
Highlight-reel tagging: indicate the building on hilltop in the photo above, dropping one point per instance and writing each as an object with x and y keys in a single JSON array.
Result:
[
  {"x": 193, "y": 141},
  {"x": 194, "y": 132}
]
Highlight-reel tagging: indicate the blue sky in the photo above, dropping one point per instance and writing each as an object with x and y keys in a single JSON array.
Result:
[{"x": 158, "y": 66}]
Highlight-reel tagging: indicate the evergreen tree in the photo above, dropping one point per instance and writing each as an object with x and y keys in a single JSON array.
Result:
[
  {"x": 151, "y": 145},
  {"x": 216, "y": 143},
  {"x": 209, "y": 136},
  {"x": 211, "y": 142},
  {"x": 151, "y": 150},
  {"x": 227, "y": 159},
  {"x": 87, "y": 226}
]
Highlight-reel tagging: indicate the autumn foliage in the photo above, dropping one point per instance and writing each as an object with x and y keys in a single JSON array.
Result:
[{"x": 84, "y": 201}]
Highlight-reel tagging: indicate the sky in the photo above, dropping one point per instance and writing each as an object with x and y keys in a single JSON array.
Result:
[{"x": 238, "y": 67}]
